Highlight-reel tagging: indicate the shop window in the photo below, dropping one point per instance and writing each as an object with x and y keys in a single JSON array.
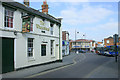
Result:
[
  {"x": 73, "y": 43},
  {"x": 30, "y": 47},
  {"x": 43, "y": 50},
  {"x": 8, "y": 18}
]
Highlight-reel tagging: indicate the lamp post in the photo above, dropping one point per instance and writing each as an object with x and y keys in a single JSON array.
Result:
[
  {"x": 75, "y": 40},
  {"x": 84, "y": 35}
]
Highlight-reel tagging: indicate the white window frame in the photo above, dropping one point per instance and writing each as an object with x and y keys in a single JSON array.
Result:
[
  {"x": 52, "y": 29},
  {"x": 30, "y": 47},
  {"x": 52, "y": 47},
  {"x": 5, "y": 21},
  {"x": 46, "y": 50}
]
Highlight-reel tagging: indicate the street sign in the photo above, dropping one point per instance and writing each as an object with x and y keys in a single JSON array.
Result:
[{"x": 115, "y": 38}]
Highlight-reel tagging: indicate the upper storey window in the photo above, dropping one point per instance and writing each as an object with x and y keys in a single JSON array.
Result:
[
  {"x": 51, "y": 28},
  {"x": 8, "y": 18}
]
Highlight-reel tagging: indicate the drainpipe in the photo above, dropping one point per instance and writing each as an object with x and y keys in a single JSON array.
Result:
[
  {"x": 59, "y": 44},
  {"x": 60, "y": 54}
]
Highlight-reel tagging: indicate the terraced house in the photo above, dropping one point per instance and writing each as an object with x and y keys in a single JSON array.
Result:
[{"x": 29, "y": 37}]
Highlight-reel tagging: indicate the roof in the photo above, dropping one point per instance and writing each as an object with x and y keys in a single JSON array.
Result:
[
  {"x": 32, "y": 11},
  {"x": 99, "y": 42},
  {"x": 82, "y": 40}
]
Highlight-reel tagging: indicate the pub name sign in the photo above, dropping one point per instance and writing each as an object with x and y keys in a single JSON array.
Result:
[{"x": 42, "y": 26}]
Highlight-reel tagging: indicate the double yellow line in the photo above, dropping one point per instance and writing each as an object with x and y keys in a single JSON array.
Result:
[{"x": 74, "y": 62}]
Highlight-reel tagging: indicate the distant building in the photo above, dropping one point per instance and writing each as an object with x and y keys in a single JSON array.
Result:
[
  {"x": 92, "y": 44},
  {"x": 83, "y": 44},
  {"x": 70, "y": 45},
  {"x": 109, "y": 41},
  {"x": 99, "y": 44},
  {"x": 65, "y": 43}
]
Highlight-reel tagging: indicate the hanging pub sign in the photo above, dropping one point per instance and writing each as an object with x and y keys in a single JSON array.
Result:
[
  {"x": 26, "y": 24},
  {"x": 42, "y": 26}
]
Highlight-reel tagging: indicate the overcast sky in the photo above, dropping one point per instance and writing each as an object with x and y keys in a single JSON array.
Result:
[{"x": 98, "y": 20}]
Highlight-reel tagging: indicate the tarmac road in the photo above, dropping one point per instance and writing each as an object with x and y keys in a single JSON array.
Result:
[{"x": 86, "y": 65}]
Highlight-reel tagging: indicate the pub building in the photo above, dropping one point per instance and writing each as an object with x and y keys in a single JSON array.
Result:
[{"x": 29, "y": 37}]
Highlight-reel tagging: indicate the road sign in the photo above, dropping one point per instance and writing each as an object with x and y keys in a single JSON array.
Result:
[{"x": 115, "y": 38}]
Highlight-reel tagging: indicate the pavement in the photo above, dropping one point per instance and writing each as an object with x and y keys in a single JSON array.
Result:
[{"x": 23, "y": 73}]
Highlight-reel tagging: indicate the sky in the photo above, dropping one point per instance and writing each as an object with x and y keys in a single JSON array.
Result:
[{"x": 95, "y": 20}]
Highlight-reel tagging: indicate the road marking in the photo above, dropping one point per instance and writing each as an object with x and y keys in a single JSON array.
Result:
[
  {"x": 74, "y": 62},
  {"x": 96, "y": 69}
]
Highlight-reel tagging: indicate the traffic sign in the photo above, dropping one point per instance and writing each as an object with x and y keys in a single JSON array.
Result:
[{"x": 115, "y": 38}]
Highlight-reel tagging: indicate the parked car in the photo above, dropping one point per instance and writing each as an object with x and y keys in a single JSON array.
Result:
[
  {"x": 82, "y": 51},
  {"x": 93, "y": 51},
  {"x": 106, "y": 53}
]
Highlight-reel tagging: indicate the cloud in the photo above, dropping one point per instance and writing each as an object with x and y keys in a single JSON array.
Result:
[
  {"x": 102, "y": 31},
  {"x": 86, "y": 15},
  {"x": 71, "y": 0},
  {"x": 107, "y": 27}
]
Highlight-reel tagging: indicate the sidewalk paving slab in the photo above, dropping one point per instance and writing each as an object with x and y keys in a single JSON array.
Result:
[{"x": 67, "y": 60}]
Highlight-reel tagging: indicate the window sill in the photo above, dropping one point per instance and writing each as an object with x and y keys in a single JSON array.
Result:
[
  {"x": 31, "y": 59},
  {"x": 7, "y": 28},
  {"x": 53, "y": 57}
]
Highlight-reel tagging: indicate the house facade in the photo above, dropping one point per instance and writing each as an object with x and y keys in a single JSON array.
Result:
[
  {"x": 83, "y": 44},
  {"x": 29, "y": 37},
  {"x": 110, "y": 41},
  {"x": 65, "y": 43}
]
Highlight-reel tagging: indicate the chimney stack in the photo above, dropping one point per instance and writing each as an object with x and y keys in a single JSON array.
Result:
[
  {"x": 26, "y": 3},
  {"x": 45, "y": 7}
]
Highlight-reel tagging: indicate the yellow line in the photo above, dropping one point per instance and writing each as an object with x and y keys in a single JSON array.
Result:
[
  {"x": 74, "y": 62},
  {"x": 91, "y": 73}
]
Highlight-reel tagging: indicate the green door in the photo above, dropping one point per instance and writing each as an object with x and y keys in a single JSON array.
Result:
[{"x": 7, "y": 55}]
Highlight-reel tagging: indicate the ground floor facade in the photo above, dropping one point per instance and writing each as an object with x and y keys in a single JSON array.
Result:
[
  {"x": 65, "y": 48},
  {"x": 78, "y": 49},
  {"x": 21, "y": 50}
]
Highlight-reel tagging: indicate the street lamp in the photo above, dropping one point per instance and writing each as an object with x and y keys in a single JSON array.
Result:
[
  {"x": 84, "y": 35},
  {"x": 75, "y": 40}
]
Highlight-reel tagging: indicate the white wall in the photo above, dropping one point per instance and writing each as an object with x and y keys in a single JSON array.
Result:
[
  {"x": 21, "y": 51},
  {"x": 21, "y": 57},
  {"x": 17, "y": 21}
]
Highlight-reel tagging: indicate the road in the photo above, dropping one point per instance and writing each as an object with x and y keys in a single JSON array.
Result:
[{"x": 86, "y": 65}]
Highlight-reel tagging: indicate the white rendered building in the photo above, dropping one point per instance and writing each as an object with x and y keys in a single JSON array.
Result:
[{"x": 29, "y": 37}]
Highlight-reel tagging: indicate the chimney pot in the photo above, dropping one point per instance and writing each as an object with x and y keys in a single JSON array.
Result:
[
  {"x": 26, "y": 3},
  {"x": 45, "y": 7}
]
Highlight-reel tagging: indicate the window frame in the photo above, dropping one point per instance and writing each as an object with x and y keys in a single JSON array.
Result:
[
  {"x": 29, "y": 46},
  {"x": 52, "y": 47},
  {"x": 51, "y": 28},
  {"x": 42, "y": 50},
  {"x": 8, "y": 18}
]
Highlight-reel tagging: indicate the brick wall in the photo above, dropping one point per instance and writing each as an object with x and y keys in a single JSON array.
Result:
[
  {"x": 63, "y": 35},
  {"x": 111, "y": 41}
]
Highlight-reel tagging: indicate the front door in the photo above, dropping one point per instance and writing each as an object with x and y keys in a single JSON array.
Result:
[{"x": 7, "y": 55}]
